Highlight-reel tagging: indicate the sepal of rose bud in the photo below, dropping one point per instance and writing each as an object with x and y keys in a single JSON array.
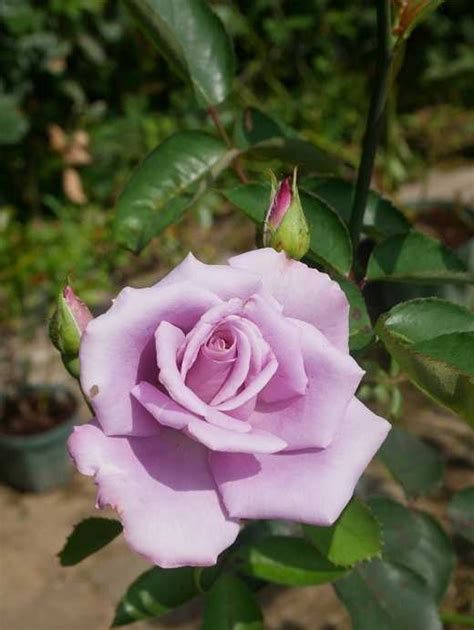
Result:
[
  {"x": 285, "y": 227},
  {"x": 66, "y": 326}
]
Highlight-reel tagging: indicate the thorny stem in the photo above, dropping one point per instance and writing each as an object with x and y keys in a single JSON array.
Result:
[
  {"x": 374, "y": 120},
  {"x": 236, "y": 164}
]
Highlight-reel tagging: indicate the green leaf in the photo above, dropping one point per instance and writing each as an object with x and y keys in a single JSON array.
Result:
[
  {"x": 154, "y": 593},
  {"x": 461, "y": 513},
  {"x": 415, "y": 541},
  {"x": 381, "y": 218},
  {"x": 354, "y": 537},
  {"x": 161, "y": 187},
  {"x": 287, "y": 560},
  {"x": 294, "y": 151},
  {"x": 415, "y": 257},
  {"x": 417, "y": 466},
  {"x": 193, "y": 40},
  {"x": 360, "y": 327},
  {"x": 87, "y": 537},
  {"x": 330, "y": 242},
  {"x": 231, "y": 605},
  {"x": 379, "y": 595},
  {"x": 253, "y": 126},
  {"x": 426, "y": 337}
]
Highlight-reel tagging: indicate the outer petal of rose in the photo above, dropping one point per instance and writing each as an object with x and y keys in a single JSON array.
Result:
[
  {"x": 311, "y": 486},
  {"x": 156, "y": 484},
  {"x": 219, "y": 439},
  {"x": 304, "y": 293},
  {"x": 312, "y": 420},
  {"x": 283, "y": 337},
  {"x": 118, "y": 350},
  {"x": 224, "y": 281}
]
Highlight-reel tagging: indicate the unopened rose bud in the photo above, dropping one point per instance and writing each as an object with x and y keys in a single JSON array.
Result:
[
  {"x": 285, "y": 224},
  {"x": 66, "y": 326}
]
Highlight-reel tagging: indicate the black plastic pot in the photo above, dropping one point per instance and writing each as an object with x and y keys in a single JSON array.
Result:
[{"x": 38, "y": 462}]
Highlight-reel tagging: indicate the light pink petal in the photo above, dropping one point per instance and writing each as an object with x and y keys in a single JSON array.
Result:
[
  {"x": 311, "y": 486},
  {"x": 118, "y": 350},
  {"x": 170, "y": 414},
  {"x": 223, "y": 280},
  {"x": 163, "y": 491},
  {"x": 311, "y": 421},
  {"x": 218, "y": 439},
  {"x": 203, "y": 329},
  {"x": 207, "y": 376},
  {"x": 239, "y": 370},
  {"x": 283, "y": 337},
  {"x": 304, "y": 293},
  {"x": 163, "y": 408},
  {"x": 169, "y": 340},
  {"x": 254, "y": 387}
]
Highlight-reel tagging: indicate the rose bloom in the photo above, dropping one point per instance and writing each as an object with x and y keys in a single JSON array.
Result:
[{"x": 223, "y": 392}]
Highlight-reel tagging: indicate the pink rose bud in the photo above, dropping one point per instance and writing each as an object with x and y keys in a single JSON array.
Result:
[
  {"x": 285, "y": 226},
  {"x": 66, "y": 326}
]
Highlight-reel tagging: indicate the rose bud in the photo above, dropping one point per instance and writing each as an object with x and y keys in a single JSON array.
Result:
[
  {"x": 66, "y": 326},
  {"x": 285, "y": 226}
]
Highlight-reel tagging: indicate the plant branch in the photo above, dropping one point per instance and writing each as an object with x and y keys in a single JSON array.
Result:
[
  {"x": 374, "y": 120},
  {"x": 221, "y": 130}
]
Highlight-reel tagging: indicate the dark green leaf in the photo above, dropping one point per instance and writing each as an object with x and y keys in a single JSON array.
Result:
[
  {"x": 253, "y": 126},
  {"x": 415, "y": 257},
  {"x": 293, "y": 152},
  {"x": 154, "y": 593},
  {"x": 231, "y": 605},
  {"x": 330, "y": 242},
  {"x": 382, "y": 596},
  {"x": 381, "y": 218},
  {"x": 87, "y": 537},
  {"x": 360, "y": 327},
  {"x": 417, "y": 466},
  {"x": 461, "y": 513},
  {"x": 160, "y": 188},
  {"x": 415, "y": 541},
  {"x": 424, "y": 337},
  {"x": 287, "y": 560},
  {"x": 193, "y": 40},
  {"x": 354, "y": 537}
]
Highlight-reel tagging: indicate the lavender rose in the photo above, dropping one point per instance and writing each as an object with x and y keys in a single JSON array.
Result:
[{"x": 223, "y": 392}]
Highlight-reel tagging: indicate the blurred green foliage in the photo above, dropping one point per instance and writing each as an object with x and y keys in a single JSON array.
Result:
[{"x": 84, "y": 97}]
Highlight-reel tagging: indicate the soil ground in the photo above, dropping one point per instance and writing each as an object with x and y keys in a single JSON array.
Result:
[{"x": 37, "y": 594}]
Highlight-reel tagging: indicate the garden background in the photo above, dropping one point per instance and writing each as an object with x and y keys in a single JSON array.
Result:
[{"x": 83, "y": 97}]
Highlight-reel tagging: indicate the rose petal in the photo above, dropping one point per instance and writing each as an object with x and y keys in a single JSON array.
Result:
[
  {"x": 311, "y": 421},
  {"x": 283, "y": 337},
  {"x": 118, "y": 350},
  {"x": 169, "y": 339},
  {"x": 311, "y": 486},
  {"x": 170, "y": 414},
  {"x": 304, "y": 293},
  {"x": 168, "y": 342},
  {"x": 163, "y": 408},
  {"x": 155, "y": 484},
  {"x": 219, "y": 439},
  {"x": 222, "y": 280}
]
